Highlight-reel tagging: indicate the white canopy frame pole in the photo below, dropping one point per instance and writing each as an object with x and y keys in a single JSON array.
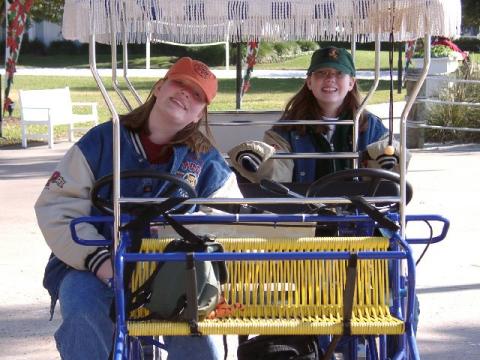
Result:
[
  {"x": 227, "y": 47},
  {"x": 364, "y": 103},
  {"x": 113, "y": 46},
  {"x": 403, "y": 131},
  {"x": 353, "y": 42},
  {"x": 353, "y": 49},
  {"x": 116, "y": 137},
  {"x": 227, "y": 55},
  {"x": 147, "y": 51},
  {"x": 125, "y": 56}
]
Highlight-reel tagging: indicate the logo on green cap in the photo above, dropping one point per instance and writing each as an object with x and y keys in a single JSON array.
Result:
[{"x": 333, "y": 53}]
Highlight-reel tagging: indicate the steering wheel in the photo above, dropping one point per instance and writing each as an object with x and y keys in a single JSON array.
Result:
[
  {"x": 363, "y": 181},
  {"x": 174, "y": 183}
]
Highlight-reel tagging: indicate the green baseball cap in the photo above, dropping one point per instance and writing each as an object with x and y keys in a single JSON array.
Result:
[{"x": 332, "y": 57}]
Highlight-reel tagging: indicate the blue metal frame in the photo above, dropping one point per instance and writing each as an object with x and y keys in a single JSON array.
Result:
[
  {"x": 403, "y": 307},
  {"x": 260, "y": 218}
]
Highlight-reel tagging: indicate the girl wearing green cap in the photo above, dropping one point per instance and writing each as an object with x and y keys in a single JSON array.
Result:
[{"x": 330, "y": 93}]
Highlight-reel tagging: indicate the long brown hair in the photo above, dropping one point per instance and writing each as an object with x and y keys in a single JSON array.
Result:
[
  {"x": 304, "y": 106},
  {"x": 191, "y": 135}
]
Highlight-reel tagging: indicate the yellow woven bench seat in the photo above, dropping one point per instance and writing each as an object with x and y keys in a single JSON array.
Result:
[
  {"x": 289, "y": 297},
  {"x": 306, "y": 326}
]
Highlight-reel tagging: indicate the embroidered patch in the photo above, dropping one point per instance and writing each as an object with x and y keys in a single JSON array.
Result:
[
  {"x": 190, "y": 171},
  {"x": 57, "y": 179},
  {"x": 191, "y": 179},
  {"x": 202, "y": 70},
  {"x": 191, "y": 166},
  {"x": 333, "y": 53}
]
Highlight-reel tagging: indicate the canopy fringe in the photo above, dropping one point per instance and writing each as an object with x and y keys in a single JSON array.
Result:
[{"x": 206, "y": 21}]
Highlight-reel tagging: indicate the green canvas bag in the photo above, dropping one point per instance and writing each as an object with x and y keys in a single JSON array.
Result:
[{"x": 171, "y": 290}]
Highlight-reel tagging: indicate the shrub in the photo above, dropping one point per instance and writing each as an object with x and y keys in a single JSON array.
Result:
[
  {"x": 436, "y": 51},
  {"x": 266, "y": 53},
  {"x": 348, "y": 45},
  {"x": 307, "y": 45},
  {"x": 34, "y": 47},
  {"x": 468, "y": 44},
  {"x": 287, "y": 48},
  {"x": 457, "y": 115},
  {"x": 162, "y": 49},
  {"x": 63, "y": 47},
  {"x": 213, "y": 55}
]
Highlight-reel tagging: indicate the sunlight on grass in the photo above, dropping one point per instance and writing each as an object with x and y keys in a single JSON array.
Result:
[
  {"x": 264, "y": 94},
  {"x": 364, "y": 60}
]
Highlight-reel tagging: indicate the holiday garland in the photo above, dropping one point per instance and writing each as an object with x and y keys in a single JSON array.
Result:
[{"x": 17, "y": 15}]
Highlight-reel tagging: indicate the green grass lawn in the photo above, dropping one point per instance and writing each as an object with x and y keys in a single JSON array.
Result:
[
  {"x": 264, "y": 94},
  {"x": 365, "y": 60},
  {"x": 80, "y": 61}
]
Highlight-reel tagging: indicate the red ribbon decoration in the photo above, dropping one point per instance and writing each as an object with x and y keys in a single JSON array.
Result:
[
  {"x": 17, "y": 14},
  {"x": 252, "y": 50}
]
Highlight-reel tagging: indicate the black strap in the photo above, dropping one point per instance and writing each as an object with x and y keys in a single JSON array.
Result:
[
  {"x": 185, "y": 233},
  {"x": 282, "y": 349},
  {"x": 140, "y": 296},
  {"x": 148, "y": 212},
  {"x": 382, "y": 220},
  {"x": 225, "y": 347},
  {"x": 191, "y": 312},
  {"x": 348, "y": 294},
  {"x": 136, "y": 229}
]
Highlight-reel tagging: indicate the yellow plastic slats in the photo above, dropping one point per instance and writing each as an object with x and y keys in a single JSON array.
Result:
[
  {"x": 291, "y": 296},
  {"x": 311, "y": 326}
]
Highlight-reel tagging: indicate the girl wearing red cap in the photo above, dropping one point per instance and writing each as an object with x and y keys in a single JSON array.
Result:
[{"x": 161, "y": 135}]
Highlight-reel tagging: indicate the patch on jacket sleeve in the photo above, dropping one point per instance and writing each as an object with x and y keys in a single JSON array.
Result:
[
  {"x": 191, "y": 179},
  {"x": 190, "y": 171},
  {"x": 57, "y": 179}
]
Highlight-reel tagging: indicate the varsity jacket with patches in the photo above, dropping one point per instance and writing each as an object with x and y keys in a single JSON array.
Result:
[
  {"x": 66, "y": 195},
  {"x": 308, "y": 170}
]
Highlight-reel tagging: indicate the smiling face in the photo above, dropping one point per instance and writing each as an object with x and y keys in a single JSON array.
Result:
[
  {"x": 330, "y": 87},
  {"x": 179, "y": 102}
]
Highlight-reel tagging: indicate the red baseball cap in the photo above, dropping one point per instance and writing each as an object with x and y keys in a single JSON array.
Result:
[{"x": 196, "y": 71}]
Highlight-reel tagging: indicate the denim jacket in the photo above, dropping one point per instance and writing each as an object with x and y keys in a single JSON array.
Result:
[
  {"x": 308, "y": 170},
  {"x": 67, "y": 193}
]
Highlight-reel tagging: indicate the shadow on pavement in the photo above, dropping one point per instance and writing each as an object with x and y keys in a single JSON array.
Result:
[
  {"x": 41, "y": 168},
  {"x": 452, "y": 288},
  {"x": 27, "y": 333},
  {"x": 439, "y": 345},
  {"x": 448, "y": 148}
]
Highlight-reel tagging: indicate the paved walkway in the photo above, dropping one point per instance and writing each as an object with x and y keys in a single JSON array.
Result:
[{"x": 445, "y": 182}]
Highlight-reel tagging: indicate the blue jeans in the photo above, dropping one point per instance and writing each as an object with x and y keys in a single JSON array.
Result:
[{"x": 87, "y": 331}]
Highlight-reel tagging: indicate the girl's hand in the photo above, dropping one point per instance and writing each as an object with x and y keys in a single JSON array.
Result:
[
  {"x": 248, "y": 157},
  {"x": 105, "y": 271}
]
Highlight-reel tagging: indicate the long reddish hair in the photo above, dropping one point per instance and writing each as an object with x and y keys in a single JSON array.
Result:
[
  {"x": 304, "y": 106},
  {"x": 191, "y": 135}
]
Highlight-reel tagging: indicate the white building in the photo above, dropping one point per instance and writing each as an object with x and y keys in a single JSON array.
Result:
[{"x": 45, "y": 31}]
